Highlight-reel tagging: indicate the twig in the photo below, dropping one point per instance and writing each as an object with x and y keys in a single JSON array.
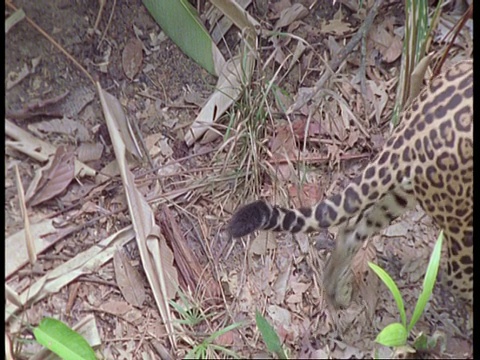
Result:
[
  {"x": 362, "y": 74},
  {"x": 318, "y": 159},
  {"x": 456, "y": 30},
  {"x": 342, "y": 55}
]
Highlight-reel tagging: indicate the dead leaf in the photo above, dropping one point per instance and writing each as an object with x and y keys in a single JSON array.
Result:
[
  {"x": 132, "y": 57},
  {"x": 353, "y": 137},
  {"x": 37, "y": 107},
  {"x": 278, "y": 7},
  {"x": 32, "y": 256},
  {"x": 299, "y": 126},
  {"x": 336, "y": 26},
  {"x": 53, "y": 178},
  {"x": 399, "y": 229},
  {"x": 86, "y": 262},
  {"x": 295, "y": 12},
  {"x": 283, "y": 143},
  {"x": 360, "y": 261},
  {"x": 387, "y": 43},
  {"x": 156, "y": 255},
  {"x": 38, "y": 149},
  {"x": 129, "y": 281},
  {"x": 394, "y": 50},
  {"x": 62, "y": 126},
  {"x": 262, "y": 243},
  {"x": 307, "y": 195},
  {"x": 116, "y": 307},
  {"x": 298, "y": 289},
  {"x": 90, "y": 152},
  {"x": 334, "y": 154},
  {"x": 279, "y": 315},
  {"x": 228, "y": 89},
  {"x": 225, "y": 339}
]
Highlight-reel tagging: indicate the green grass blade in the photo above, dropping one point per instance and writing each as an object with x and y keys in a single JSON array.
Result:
[
  {"x": 428, "y": 282},
  {"x": 226, "y": 351},
  {"x": 63, "y": 341},
  {"x": 388, "y": 281},
  {"x": 269, "y": 336},
  {"x": 223, "y": 331},
  {"x": 415, "y": 45}
]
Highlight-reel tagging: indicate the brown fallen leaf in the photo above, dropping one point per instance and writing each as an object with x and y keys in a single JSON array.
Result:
[
  {"x": 53, "y": 178},
  {"x": 289, "y": 15},
  {"x": 36, "y": 108},
  {"x": 300, "y": 124},
  {"x": 336, "y": 26},
  {"x": 225, "y": 339},
  {"x": 64, "y": 125},
  {"x": 116, "y": 307},
  {"x": 283, "y": 142},
  {"x": 308, "y": 195},
  {"x": 132, "y": 57},
  {"x": 156, "y": 255},
  {"x": 90, "y": 152},
  {"x": 128, "y": 279}
]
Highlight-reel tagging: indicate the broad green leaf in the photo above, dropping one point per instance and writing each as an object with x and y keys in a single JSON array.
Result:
[
  {"x": 388, "y": 281},
  {"x": 269, "y": 336},
  {"x": 428, "y": 282},
  {"x": 179, "y": 20},
  {"x": 63, "y": 341},
  {"x": 393, "y": 335}
]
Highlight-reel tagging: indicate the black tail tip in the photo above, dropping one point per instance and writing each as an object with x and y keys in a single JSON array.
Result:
[{"x": 249, "y": 218}]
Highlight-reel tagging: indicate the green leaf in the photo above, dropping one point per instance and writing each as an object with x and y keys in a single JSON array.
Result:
[
  {"x": 393, "y": 335},
  {"x": 428, "y": 281},
  {"x": 388, "y": 281},
  {"x": 179, "y": 20},
  {"x": 421, "y": 342},
  {"x": 63, "y": 341},
  {"x": 269, "y": 336}
]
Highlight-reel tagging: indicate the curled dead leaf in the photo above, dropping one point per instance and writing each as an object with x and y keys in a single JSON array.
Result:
[
  {"x": 53, "y": 178},
  {"x": 132, "y": 57}
]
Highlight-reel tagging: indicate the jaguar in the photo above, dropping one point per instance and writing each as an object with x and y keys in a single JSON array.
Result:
[{"x": 428, "y": 159}]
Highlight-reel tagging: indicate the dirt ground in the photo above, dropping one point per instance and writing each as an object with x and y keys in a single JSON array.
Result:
[{"x": 280, "y": 275}]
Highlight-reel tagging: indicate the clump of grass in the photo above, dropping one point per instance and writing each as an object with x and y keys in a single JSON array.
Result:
[
  {"x": 396, "y": 334},
  {"x": 245, "y": 140},
  {"x": 194, "y": 327}
]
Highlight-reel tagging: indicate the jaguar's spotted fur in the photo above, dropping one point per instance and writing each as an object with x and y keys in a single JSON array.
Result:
[{"x": 428, "y": 158}]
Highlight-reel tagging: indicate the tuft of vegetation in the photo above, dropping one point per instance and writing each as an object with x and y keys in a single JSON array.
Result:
[
  {"x": 396, "y": 334},
  {"x": 193, "y": 322},
  {"x": 270, "y": 337}
]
